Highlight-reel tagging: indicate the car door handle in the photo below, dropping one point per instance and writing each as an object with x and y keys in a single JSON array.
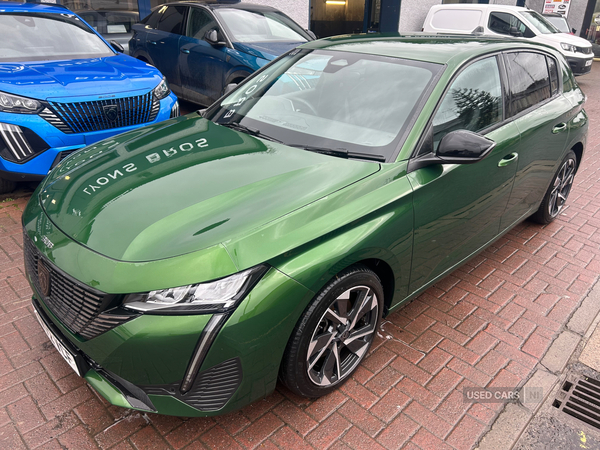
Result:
[
  {"x": 152, "y": 42},
  {"x": 185, "y": 50},
  {"x": 508, "y": 159},
  {"x": 558, "y": 128}
]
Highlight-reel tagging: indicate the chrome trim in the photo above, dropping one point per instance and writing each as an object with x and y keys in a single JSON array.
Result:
[
  {"x": 15, "y": 141},
  {"x": 207, "y": 337}
]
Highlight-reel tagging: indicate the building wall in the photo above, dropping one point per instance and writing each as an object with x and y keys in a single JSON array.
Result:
[{"x": 296, "y": 9}]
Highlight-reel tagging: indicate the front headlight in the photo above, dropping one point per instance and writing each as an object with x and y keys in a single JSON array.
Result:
[
  {"x": 216, "y": 296},
  {"x": 162, "y": 90},
  {"x": 21, "y": 105},
  {"x": 568, "y": 47}
]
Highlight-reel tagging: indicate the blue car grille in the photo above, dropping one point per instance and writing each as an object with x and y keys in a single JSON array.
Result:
[{"x": 84, "y": 117}]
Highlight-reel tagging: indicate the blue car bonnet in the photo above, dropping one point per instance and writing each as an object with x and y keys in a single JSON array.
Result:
[
  {"x": 55, "y": 79},
  {"x": 266, "y": 50}
]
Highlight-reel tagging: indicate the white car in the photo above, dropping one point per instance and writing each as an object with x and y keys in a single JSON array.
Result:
[{"x": 512, "y": 21}]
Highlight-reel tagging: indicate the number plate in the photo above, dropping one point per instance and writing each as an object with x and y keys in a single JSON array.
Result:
[
  {"x": 64, "y": 352},
  {"x": 589, "y": 63}
]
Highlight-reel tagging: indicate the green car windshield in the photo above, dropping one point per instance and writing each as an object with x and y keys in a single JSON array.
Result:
[{"x": 358, "y": 104}]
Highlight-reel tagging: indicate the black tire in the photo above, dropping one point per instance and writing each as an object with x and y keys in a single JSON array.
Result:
[
  {"x": 7, "y": 186},
  {"x": 331, "y": 365},
  {"x": 558, "y": 191}
]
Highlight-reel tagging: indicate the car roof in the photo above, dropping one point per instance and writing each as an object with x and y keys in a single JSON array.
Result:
[
  {"x": 33, "y": 7},
  {"x": 216, "y": 4},
  {"x": 480, "y": 6},
  {"x": 435, "y": 48}
]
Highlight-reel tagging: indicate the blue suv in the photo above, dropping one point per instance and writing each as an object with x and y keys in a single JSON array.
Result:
[
  {"x": 63, "y": 87},
  {"x": 203, "y": 46}
]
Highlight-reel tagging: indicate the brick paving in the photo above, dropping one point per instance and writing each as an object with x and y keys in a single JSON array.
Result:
[{"x": 487, "y": 324}]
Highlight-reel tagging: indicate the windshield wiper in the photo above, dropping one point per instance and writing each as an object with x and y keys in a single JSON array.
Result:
[
  {"x": 340, "y": 152},
  {"x": 251, "y": 131}
]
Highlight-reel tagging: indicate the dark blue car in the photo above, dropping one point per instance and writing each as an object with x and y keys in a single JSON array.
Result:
[
  {"x": 63, "y": 87},
  {"x": 203, "y": 46}
]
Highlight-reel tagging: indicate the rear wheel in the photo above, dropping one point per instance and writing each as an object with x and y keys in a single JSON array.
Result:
[
  {"x": 7, "y": 186},
  {"x": 559, "y": 190},
  {"x": 334, "y": 334}
]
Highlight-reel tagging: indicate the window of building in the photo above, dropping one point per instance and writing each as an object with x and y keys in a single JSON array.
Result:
[
  {"x": 473, "y": 102},
  {"x": 529, "y": 82}
]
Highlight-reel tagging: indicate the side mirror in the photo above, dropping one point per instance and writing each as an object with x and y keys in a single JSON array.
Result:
[
  {"x": 457, "y": 147},
  {"x": 311, "y": 34},
  {"x": 230, "y": 87},
  {"x": 118, "y": 47},
  {"x": 514, "y": 31},
  {"x": 212, "y": 37},
  {"x": 573, "y": 30},
  {"x": 464, "y": 147}
]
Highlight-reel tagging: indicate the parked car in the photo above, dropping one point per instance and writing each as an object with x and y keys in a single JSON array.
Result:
[
  {"x": 560, "y": 22},
  {"x": 202, "y": 47},
  {"x": 271, "y": 235},
  {"x": 63, "y": 87},
  {"x": 112, "y": 25},
  {"x": 510, "y": 21}
]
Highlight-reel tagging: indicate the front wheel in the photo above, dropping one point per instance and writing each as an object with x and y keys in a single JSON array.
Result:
[
  {"x": 334, "y": 334},
  {"x": 559, "y": 190}
]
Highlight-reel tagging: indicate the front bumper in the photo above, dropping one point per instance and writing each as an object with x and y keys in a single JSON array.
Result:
[
  {"x": 60, "y": 144},
  {"x": 580, "y": 66},
  {"x": 141, "y": 363}
]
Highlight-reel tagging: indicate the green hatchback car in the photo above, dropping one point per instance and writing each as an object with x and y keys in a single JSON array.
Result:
[{"x": 185, "y": 267}]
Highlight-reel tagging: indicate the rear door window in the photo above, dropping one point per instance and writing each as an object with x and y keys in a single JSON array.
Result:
[
  {"x": 172, "y": 19},
  {"x": 473, "y": 102},
  {"x": 528, "y": 80}
]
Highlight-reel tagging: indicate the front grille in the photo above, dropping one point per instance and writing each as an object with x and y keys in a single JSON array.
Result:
[
  {"x": 84, "y": 117},
  {"x": 212, "y": 389},
  {"x": 80, "y": 308},
  {"x": 584, "y": 50}
]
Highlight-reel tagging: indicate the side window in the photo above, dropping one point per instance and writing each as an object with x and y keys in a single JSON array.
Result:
[
  {"x": 553, "y": 74},
  {"x": 152, "y": 20},
  {"x": 473, "y": 102},
  {"x": 502, "y": 23},
  {"x": 172, "y": 19},
  {"x": 528, "y": 80},
  {"x": 199, "y": 22}
]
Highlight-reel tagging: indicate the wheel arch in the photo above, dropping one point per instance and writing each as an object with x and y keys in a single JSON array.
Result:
[{"x": 578, "y": 150}]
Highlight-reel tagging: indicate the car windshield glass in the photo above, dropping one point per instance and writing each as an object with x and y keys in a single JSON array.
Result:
[
  {"x": 260, "y": 26},
  {"x": 540, "y": 23},
  {"x": 559, "y": 22},
  {"x": 332, "y": 100},
  {"x": 47, "y": 37}
]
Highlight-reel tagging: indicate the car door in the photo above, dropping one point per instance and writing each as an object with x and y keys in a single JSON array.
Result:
[
  {"x": 202, "y": 65},
  {"x": 541, "y": 113},
  {"x": 162, "y": 43},
  {"x": 458, "y": 207}
]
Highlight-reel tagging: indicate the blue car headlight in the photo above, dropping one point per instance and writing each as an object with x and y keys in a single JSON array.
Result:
[
  {"x": 162, "y": 90},
  {"x": 21, "y": 105}
]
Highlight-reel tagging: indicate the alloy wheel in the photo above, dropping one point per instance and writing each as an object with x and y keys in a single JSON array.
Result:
[
  {"x": 342, "y": 336},
  {"x": 561, "y": 188}
]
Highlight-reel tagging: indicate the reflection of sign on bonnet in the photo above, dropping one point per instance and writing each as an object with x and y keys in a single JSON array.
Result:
[{"x": 557, "y": 6}]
